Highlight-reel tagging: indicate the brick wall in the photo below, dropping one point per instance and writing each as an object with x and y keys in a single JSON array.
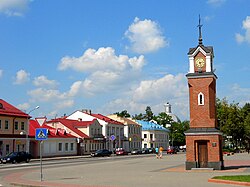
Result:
[
  {"x": 202, "y": 115},
  {"x": 214, "y": 151}
]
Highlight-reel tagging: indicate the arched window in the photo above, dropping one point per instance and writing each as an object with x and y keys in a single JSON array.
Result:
[{"x": 200, "y": 99}]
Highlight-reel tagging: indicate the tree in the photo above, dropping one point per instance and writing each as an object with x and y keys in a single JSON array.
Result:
[
  {"x": 149, "y": 114},
  {"x": 231, "y": 121},
  {"x": 163, "y": 119},
  {"x": 146, "y": 117},
  {"x": 177, "y": 132},
  {"x": 123, "y": 114},
  {"x": 138, "y": 116}
]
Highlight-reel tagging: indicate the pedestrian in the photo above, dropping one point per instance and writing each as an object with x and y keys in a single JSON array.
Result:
[
  {"x": 157, "y": 152},
  {"x": 160, "y": 152}
]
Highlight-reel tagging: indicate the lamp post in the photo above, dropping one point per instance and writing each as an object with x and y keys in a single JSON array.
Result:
[{"x": 27, "y": 130}]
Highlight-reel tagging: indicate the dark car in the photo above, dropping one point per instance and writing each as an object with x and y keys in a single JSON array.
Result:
[
  {"x": 136, "y": 152},
  {"x": 15, "y": 157},
  {"x": 121, "y": 151},
  {"x": 101, "y": 152},
  {"x": 145, "y": 151},
  {"x": 171, "y": 150},
  {"x": 151, "y": 150}
]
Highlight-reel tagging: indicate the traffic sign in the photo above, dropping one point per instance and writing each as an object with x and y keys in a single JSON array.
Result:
[
  {"x": 41, "y": 120},
  {"x": 112, "y": 137},
  {"x": 41, "y": 134}
]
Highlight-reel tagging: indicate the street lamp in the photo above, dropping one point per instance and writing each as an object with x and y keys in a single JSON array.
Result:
[
  {"x": 173, "y": 137},
  {"x": 27, "y": 130}
]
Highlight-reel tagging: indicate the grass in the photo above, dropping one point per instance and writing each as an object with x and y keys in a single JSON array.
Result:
[{"x": 240, "y": 178}]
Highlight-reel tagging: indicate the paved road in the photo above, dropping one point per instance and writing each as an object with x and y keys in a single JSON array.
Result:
[{"x": 136, "y": 172}]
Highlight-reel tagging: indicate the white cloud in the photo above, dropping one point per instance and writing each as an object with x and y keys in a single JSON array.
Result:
[
  {"x": 169, "y": 85},
  {"x": 1, "y": 73},
  {"x": 44, "y": 81},
  {"x": 64, "y": 104},
  {"x": 101, "y": 59},
  {"x": 216, "y": 2},
  {"x": 145, "y": 36},
  {"x": 154, "y": 93},
  {"x": 239, "y": 94},
  {"x": 105, "y": 71},
  {"x": 244, "y": 37},
  {"x": 45, "y": 95},
  {"x": 14, "y": 7},
  {"x": 21, "y": 77},
  {"x": 24, "y": 106}
]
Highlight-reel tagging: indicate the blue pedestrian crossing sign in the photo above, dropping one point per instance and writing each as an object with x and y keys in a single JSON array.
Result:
[{"x": 41, "y": 134}]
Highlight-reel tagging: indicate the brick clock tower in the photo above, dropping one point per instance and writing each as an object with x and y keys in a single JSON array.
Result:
[{"x": 203, "y": 139}]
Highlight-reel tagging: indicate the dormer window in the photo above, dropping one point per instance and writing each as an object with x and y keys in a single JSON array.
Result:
[{"x": 200, "y": 99}]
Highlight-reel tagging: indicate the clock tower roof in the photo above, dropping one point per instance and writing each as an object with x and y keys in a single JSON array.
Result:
[{"x": 206, "y": 49}]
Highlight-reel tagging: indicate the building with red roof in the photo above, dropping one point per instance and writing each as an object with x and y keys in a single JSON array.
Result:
[
  {"x": 13, "y": 122},
  {"x": 59, "y": 142},
  {"x": 112, "y": 130},
  {"x": 88, "y": 133}
]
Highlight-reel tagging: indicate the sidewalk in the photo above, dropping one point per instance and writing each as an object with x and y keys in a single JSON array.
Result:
[{"x": 133, "y": 172}]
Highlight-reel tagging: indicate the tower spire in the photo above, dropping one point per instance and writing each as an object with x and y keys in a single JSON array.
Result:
[{"x": 200, "y": 36}]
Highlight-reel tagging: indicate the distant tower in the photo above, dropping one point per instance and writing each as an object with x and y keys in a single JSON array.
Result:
[
  {"x": 167, "y": 108},
  {"x": 203, "y": 139},
  {"x": 168, "y": 111}
]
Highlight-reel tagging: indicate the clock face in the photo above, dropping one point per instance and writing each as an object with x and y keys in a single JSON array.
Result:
[{"x": 200, "y": 62}]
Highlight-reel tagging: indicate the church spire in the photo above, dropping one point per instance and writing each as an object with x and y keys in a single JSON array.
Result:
[{"x": 200, "y": 36}]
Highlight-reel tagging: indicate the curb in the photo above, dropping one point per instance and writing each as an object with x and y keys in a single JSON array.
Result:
[{"x": 229, "y": 182}]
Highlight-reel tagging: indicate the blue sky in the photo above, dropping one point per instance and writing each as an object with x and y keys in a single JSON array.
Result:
[{"x": 110, "y": 56}]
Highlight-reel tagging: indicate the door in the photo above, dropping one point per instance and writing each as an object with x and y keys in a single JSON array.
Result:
[{"x": 202, "y": 154}]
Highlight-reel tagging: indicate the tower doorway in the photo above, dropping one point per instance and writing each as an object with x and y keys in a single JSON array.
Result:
[{"x": 202, "y": 154}]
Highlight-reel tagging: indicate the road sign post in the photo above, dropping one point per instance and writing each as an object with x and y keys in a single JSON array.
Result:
[{"x": 41, "y": 134}]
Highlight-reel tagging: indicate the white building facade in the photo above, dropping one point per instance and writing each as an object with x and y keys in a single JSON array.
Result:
[
  {"x": 132, "y": 133},
  {"x": 154, "y": 135},
  {"x": 113, "y": 131}
]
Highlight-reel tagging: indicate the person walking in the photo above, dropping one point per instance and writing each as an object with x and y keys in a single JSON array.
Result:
[
  {"x": 160, "y": 152},
  {"x": 157, "y": 152}
]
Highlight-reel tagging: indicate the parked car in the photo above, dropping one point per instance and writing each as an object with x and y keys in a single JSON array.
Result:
[
  {"x": 136, "y": 152},
  {"x": 145, "y": 151},
  {"x": 151, "y": 150},
  {"x": 101, "y": 152},
  {"x": 171, "y": 150},
  {"x": 121, "y": 151},
  {"x": 16, "y": 157}
]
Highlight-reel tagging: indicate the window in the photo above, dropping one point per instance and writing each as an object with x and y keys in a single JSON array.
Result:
[
  {"x": 151, "y": 136},
  {"x": 71, "y": 146},
  {"x": 60, "y": 147},
  {"x": 6, "y": 124},
  {"x": 0, "y": 124},
  {"x": 66, "y": 146},
  {"x": 22, "y": 125},
  {"x": 145, "y": 135},
  {"x": 16, "y": 125},
  {"x": 7, "y": 149},
  {"x": 200, "y": 99}
]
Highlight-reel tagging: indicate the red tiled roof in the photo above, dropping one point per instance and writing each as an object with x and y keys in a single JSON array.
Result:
[
  {"x": 73, "y": 124},
  {"x": 9, "y": 110},
  {"x": 52, "y": 132},
  {"x": 107, "y": 119}
]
